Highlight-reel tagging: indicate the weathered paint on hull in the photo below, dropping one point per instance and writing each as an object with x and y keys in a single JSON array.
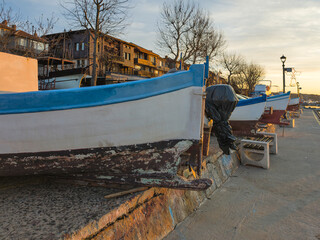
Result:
[
  {"x": 293, "y": 107},
  {"x": 154, "y": 165},
  {"x": 159, "y": 159},
  {"x": 243, "y": 127},
  {"x": 274, "y": 118}
]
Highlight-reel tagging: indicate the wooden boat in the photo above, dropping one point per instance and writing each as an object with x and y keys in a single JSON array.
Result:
[
  {"x": 64, "y": 82},
  {"x": 294, "y": 104},
  {"x": 275, "y": 108},
  {"x": 247, "y": 113},
  {"x": 65, "y": 79},
  {"x": 125, "y": 133}
]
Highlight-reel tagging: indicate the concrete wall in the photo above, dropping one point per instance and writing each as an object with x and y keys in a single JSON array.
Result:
[{"x": 18, "y": 74}]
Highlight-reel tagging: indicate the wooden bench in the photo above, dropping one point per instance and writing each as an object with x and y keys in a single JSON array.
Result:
[{"x": 255, "y": 150}]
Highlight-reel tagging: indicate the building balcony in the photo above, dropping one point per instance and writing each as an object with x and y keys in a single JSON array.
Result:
[
  {"x": 144, "y": 62},
  {"x": 144, "y": 73},
  {"x": 163, "y": 68}
]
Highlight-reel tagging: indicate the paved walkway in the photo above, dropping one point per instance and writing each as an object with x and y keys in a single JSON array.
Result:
[{"x": 280, "y": 203}]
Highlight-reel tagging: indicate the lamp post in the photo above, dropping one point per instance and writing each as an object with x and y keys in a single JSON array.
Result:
[
  {"x": 298, "y": 89},
  {"x": 283, "y": 59}
]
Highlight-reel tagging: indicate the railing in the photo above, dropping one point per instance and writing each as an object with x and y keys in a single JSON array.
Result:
[
  {"x": 163, "y": 68},
  {"x": 144, "y": 73},
  {"x": 144, "y": 62},
  {"x": 47, "y": 84}
]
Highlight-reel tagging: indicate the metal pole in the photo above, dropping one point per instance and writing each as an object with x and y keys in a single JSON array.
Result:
[{"x": 284, "y": 78}]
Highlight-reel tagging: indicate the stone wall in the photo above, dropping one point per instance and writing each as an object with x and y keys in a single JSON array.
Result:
[{"x": 154, "y": 213}]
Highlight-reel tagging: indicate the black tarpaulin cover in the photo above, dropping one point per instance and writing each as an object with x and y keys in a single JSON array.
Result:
[{"x": 221, "y": 100}]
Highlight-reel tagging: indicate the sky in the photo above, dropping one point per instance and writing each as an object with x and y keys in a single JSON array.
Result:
[{"x": 259, "y": 30}]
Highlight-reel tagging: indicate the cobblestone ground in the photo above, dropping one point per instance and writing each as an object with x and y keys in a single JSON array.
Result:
[{"x": 31, "y": 208}]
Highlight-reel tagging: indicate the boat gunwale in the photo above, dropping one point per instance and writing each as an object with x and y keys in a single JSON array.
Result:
[
  {"x": 251, "y": 101},
  {"x": 54, "y": 100},
  {"x": 278, "y": 97}
]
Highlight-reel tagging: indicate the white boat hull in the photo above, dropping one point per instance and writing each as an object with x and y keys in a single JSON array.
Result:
[
  {"x": 278, "y": 104},
  {"x": 248, "y": 113},
  {"x": 65, "y": 82},
  {"x": 168, "y": 116},
  {"x": 294, "y": 101}
]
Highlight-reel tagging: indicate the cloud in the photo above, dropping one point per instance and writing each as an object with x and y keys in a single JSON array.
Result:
[{"x": 259, "y": 30}]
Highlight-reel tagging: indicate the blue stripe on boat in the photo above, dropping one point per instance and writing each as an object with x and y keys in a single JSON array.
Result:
[
  {"x": 250, "y": 101},
  {"x": 100, "y": 95},
  {"x": 278, "y": 97}
]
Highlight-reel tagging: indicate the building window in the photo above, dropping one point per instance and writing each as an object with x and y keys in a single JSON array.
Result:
[
  {"x": 160, "y": 63},
  {"x": 127, "y": 56},
  {"x": 82, "y": 46},
  {"x": 39, "y": 46},
  {"x": 23, "y": 42},
  {"x": 98, "y": 47},
  {"x": 76, "y": 46}
]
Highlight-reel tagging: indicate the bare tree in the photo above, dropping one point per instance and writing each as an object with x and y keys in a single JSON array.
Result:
[
  {"x": 111, "y": 56},
  {"x": 8, "y": 14},
  {"x": 186, "y": 28},
  {"x": 42, "y": 26},
  {"x": 7, "y": 17},
  {"x": 213, "y": 43},
  {"x": 13, "y": 22},
  {"x": 194, "y": 38},
  {"x": 252, "y": 73},
  {"x": 176, "y": 22},
  {"x": 98, "y": 17},
  {"x": 232, "y": 63}
]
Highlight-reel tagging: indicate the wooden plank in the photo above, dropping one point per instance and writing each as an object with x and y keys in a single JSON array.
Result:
[{"x": 119, "y": 194}]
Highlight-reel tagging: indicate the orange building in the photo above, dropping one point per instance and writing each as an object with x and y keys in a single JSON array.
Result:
[{"x": 18, "y": 74}]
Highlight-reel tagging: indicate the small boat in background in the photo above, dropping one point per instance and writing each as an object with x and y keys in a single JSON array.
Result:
[
  {"x": 247, "y": 113},
  {"x": 64, "y": 79},
  {"x": 294, "y": 104},
  {"x": 131, "y": 133},
  {"x": 276, "y": 104},
  {"x": 275, "y": 108},
  {"x": 63, "y": 82}
]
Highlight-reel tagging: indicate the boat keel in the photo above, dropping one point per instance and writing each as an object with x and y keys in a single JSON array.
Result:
[{"x": 177, "y": 182}]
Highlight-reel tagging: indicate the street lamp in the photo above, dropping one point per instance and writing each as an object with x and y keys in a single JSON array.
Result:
[
  {"x": 283, "y": 59},
  {"x": 298, "y": 89}
]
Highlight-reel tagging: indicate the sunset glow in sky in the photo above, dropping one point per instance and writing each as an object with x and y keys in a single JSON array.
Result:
[{"x": 262, "y": 31}]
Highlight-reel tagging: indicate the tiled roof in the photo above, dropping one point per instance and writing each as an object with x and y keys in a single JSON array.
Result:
[
  {"x": 27, "y": 35},
  {"x": 4, "y": 26},
  {"x": 141, "y": 49},
  {"x": 21, "y": 33}
]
